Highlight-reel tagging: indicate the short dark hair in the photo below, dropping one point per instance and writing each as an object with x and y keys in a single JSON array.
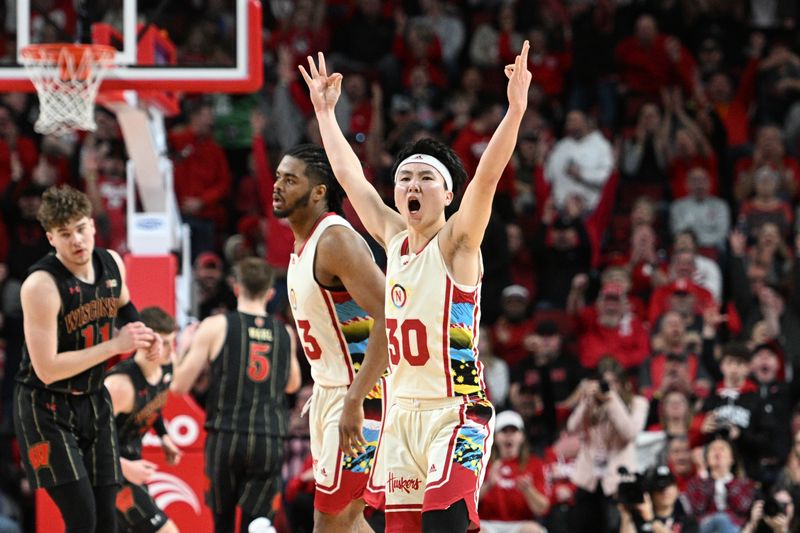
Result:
[
  {"x": 736, "y": 350},
  {"x": 318, "y": 169},
  {"x": 157, "y": 319},
  {"x": 446, "y": 155},
  {"x": 254, "y": 276},
  {"x": 61, "y": 205}
]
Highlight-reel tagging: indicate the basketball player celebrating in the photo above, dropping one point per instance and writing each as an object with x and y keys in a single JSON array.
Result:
[
  {"x": 252, "y": 366},
  {"x": 437, "y": 433},
  {"x": 139, "y": 387},
  {"x": 335, "y": 291},
  {"x": 71, "y": 302}
]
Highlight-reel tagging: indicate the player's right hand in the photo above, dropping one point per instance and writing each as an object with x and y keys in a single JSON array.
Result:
[
  {"x": 138, "y": 472},
  {"x": 323, "y": 89},
  {"x": 134, "y": 336},
  {"x": 351, "y": 437}
]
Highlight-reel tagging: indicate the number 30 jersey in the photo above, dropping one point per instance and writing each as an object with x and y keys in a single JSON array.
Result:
[
  {"x": 332, "y": 328},
  {"x": 432, "y": 324}
]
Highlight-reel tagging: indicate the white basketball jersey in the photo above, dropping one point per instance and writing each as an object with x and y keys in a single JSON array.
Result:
[
  {"x": 332, "y": 327},
  {"x": 432, "y": 324}
]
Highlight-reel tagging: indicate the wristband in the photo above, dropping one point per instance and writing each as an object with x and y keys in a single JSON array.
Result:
[
  {"x": 159, "y": 427},
  {"x": 127, "y": 314}
]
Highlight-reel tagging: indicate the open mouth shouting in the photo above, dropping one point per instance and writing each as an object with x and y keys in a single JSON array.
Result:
[{"x": 413, "y": 206}]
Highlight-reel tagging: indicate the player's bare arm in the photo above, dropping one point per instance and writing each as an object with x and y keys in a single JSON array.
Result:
[
  {"x": 344, "y": 259},
  {"x": 381, "y": 221},
  {"x": 40, "y": 307},
  {"x": 461, "y": 237},
  {"x": 206, "y": 344},
  {"x": 295, "y": 377},
  {"x": 120, "y": 388}
]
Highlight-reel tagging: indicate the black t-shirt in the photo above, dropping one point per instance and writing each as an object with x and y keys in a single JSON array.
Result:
[{"x": 565, "y": 374}]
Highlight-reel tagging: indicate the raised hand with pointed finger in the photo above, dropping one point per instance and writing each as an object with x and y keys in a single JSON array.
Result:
[
  {"x": 519, "y": 81},
  {"x": 324, "y": 89}
]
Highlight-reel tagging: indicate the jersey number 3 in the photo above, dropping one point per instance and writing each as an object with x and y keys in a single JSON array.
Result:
[
  {"x": 417, "y": 355},
  {"x": 257, "y": 362},
  {"x": 310, "y": 344}
]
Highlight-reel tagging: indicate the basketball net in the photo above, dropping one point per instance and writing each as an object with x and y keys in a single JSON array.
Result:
[{"x": 67, "y": 78}]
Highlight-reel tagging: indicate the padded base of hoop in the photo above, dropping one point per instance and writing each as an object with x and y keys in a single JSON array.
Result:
[{"x": 165, "y": 101}]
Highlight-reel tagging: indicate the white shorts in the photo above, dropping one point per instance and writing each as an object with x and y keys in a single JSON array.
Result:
[
  {"x": 339, "y": 479},
  {"x": 434, "y": 453}
]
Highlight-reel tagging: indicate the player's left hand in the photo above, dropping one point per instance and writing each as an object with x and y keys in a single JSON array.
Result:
[
  {"x": 172, "y": 453},
  {"x": 519, "y": 80},
  {"x": 351, "y": 438}
]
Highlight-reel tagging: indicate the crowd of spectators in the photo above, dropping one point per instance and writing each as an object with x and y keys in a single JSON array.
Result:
[{"x": 641, "y": 296}]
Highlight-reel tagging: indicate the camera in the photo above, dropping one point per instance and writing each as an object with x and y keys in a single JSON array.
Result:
[
  {"x": 631, "y": 488},
  {"x": 773, "y": 507}
]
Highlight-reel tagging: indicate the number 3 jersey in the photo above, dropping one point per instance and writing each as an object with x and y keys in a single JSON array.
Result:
[
  {"x": 332, "y": 327},
  {"x": 432, "y": 323}
]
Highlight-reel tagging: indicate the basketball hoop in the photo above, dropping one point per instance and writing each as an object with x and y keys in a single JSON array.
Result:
[{"x": 67, "y": 78}]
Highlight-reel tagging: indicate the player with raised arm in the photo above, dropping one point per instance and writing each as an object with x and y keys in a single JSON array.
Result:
[
  {"x": 72, "y": 301},
  {"x": 437, "y": 433},
  {"x": 335, "y": 292},
  {"x": 139, "y": 387},
  {"x": 252, "y": 365}
]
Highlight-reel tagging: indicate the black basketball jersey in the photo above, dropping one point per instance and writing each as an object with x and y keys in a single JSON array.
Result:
[
  {"x": 147, "y": 404},
  {"x": 249, "y": 376},
  {"x": 86, "y": 318}
]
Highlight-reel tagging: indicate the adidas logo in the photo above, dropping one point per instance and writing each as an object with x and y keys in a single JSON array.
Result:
[{"x": 432, "y": 469}]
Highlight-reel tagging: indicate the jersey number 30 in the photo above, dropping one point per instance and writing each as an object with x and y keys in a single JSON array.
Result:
[{"x": 416, "y": 354}]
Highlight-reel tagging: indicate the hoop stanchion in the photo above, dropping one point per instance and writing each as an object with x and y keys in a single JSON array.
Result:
[{"x": 67, "y": 78}]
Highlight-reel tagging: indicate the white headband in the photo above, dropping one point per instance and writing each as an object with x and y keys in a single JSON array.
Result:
[{"x": 431, "y": 162}]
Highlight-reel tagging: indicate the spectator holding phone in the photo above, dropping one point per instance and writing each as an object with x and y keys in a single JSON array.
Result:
[{"x": 608, "y": 418}]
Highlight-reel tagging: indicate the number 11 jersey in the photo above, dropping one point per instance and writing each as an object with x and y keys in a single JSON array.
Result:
[{"x": 432, "y": 323}]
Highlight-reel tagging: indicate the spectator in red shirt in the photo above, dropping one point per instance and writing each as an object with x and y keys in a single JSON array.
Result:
[
  {"x": 417, "y": 45},
  {"x": 769, "y": 150},
  {"x": 766, "y": 206},
  {"x": 549, "y": 68},
  {"x": 514, "y": 490},
  {"x": 202, "y": 177},
  {"x": 675, "y": 362},
  {"x": 513, "y": 326},
  {"x": 103, "y": 171},
  {"x": 679, "y": 459},
  {"x": 734, "y": 108},
  {"x": 689, "y": 148},
  {"x": 649, "y": 61},
  {"x": 682, "y": 294},
  {"x": 558, "y": 469},
  {"x": 473, "y": 139},
  {"x": 608, "y": 328},
  {"x": 279, "y": 239}
]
